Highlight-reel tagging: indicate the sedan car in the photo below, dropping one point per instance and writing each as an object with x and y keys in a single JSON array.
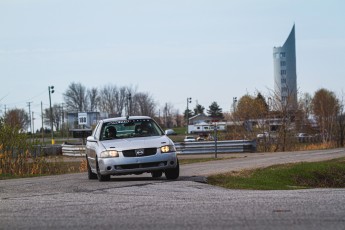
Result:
[
  {"x": 130, "y": 145},
  {"x": 189, "y": 139}
]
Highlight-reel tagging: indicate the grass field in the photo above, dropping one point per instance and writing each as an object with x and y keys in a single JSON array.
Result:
[
  {"x": 327, "y": 174},
  {"x": 56, "y": 165}
]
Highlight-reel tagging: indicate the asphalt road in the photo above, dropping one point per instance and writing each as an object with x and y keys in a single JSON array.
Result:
[{"x": 140, "y": 202}]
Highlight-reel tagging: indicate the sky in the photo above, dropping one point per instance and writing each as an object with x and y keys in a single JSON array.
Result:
[{"x": 207, "y": 50}]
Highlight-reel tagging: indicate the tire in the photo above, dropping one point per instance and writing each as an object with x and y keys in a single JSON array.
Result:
[
  {"x": 173, "y": 173},
  {"x": 99, "y": 175},
  {"x": 90, "y": 174},
  {"x": 156, "y": 174}
]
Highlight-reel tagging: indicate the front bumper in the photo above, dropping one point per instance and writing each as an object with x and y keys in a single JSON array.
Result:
[{"x": 131, "y": 165}]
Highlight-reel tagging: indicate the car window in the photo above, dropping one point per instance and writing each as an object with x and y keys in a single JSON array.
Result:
[
  {"x": 96, "y": 131},
  {"x": 130, "y": 129}
]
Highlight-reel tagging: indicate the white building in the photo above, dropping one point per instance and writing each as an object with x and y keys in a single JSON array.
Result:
[{"x": 285, "y": 77}]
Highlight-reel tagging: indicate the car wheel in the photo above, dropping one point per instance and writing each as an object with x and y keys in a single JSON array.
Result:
[
  {"x": 156, "y": 174},
  {"x": 99, "y": 175},
  {"x": 173, "y": 173},
  {"x": 90, "y": 174}
]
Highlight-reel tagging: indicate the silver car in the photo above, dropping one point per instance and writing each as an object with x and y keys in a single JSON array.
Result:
[{"x": 130, "y": 145}]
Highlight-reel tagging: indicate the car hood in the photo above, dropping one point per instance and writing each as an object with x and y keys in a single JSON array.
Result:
[{"x": 137, "y": 143}]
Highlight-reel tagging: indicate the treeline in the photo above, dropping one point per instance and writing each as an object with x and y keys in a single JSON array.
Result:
[
  {"x": 320, "y": 116},
  {"x": 110, "y": 99}
]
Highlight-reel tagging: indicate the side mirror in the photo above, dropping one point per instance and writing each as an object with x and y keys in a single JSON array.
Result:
[{"x": 91, "y": 139}]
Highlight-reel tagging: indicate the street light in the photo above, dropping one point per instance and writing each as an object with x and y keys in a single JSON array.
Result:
[
  {"x": 51, "y": 90},
  {"x": 234, "y": 100},
  {"x": 189, "y": 100},
  {"x": 129, "y": 104}
]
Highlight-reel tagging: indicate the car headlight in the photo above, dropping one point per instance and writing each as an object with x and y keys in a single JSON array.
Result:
[
  {"x": 108, "y": 154},
  {"x": 168, "y": 148}
]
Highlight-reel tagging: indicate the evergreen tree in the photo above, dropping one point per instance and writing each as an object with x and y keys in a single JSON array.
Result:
[
  {"x": 199, "y": 109},
  {"x": 215, "y": 111}
]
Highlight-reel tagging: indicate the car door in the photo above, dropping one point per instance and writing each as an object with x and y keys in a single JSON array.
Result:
[{"x": 92, "y": 145}]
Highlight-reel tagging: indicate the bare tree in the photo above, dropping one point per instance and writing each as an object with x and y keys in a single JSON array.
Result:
[
  {"x": 56, "y": 116},
  {"x": 284, "y": 110},
  {"x": 168, "y": 115},
  {"x": 122, "y": 95},
  {"x": 17, "y": 118},
  {"x": 93, "y": 98},
  {"x": 108, "y": 97},
  {"x": 143, "y": 104},
  {"x": 75, "y": 97},
  {"x": 303, "y": 112},
  {"x": 325, "y": 108},
  {"x": 341, "y": 123}
]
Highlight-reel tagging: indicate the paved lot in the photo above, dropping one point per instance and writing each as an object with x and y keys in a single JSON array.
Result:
[{"x": 140, "y": 202}]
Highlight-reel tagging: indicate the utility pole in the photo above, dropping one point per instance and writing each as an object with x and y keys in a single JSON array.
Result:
[
  {"x": 62, "y": 119},
  {"x": 51, "y": 90},
  {"x": 42, "y": 122},
  {"x": 189, "y": 100},
  {"x": 129, "y": 104},
  {"x": 33, "y": 123},
  {"x": 29, "y": 103},
  {"x": 234, "y": 101}
]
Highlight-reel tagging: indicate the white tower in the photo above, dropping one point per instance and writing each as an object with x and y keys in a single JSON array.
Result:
[{"x": 285, "y": 78}]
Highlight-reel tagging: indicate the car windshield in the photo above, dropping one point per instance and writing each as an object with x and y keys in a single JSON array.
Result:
[{"x": 129, "y": 129}]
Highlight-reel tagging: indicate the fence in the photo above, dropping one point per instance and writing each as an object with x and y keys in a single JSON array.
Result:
[
  {"x": 198, "y": 147},
  {"x": 238, "y": 146},
  {"x": 69, "y": 149}
]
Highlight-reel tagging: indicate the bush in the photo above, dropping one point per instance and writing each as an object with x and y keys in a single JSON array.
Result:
[{"x": 15, "y": 153}]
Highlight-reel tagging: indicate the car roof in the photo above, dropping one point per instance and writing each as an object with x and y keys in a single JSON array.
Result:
[{"x": 126, "y": 118}]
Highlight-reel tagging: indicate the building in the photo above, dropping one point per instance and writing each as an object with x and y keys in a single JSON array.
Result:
[
  {"x": 85, "y": 120},
  {"x": 201, "y": 124},
  {"x": 285, "y": 78}
]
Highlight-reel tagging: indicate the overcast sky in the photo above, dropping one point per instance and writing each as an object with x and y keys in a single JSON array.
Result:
[{"x": 208, "y": 50}]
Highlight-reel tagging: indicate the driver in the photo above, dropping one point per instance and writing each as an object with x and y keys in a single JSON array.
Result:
[{"x": 110, "y": 132}]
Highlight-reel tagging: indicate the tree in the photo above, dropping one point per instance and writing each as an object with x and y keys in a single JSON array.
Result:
[
  {"x": 215, "y": 111},
  {"x": 168, "y": 115},
  {"x": 109, "y": 95},
  {"x": 325, "y": 109},
  {"x": 284, "y": 110},
  {"x": 199, "y": 109},
  {"x": 93, "y": 98},
  {"x": 56, "y": 116},
  {"x": 187, "y": 114},
  {"x": 304, "y": 109},
  {"x": 75, "y": 97},
  {"x": 17, "y": 118},
  {"x": 261, "y": 105},
  {"x": 143, "y": 105},
  {"x": 245, "y": 108},
  {"x": 341, "y": 124},
  {"x": 113, "y": 99}
]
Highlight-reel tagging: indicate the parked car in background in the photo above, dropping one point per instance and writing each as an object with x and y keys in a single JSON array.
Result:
[
  {"x": 189, "y": 139},
  {"x": 130, "y": 145},
  {"x": 262, "y": 135},
  {"x": 303, "y": 137},
  {"x": 170, "y": 132}
]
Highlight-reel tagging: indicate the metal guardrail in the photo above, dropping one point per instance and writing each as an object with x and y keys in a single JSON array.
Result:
[
  {"x": 237, "y": 146},
  {"x": 76, "y": 150},
  {"x": 197, "y": 147}
]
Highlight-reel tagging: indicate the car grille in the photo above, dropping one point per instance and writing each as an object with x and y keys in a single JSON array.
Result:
[
  {"x": 140, "y": 166},
  {"x": 132, "y": 152}
]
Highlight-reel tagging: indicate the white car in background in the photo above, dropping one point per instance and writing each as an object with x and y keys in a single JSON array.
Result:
[
  {"x": 130, "y": 145},
  {"x": 189, "y": 139}
]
